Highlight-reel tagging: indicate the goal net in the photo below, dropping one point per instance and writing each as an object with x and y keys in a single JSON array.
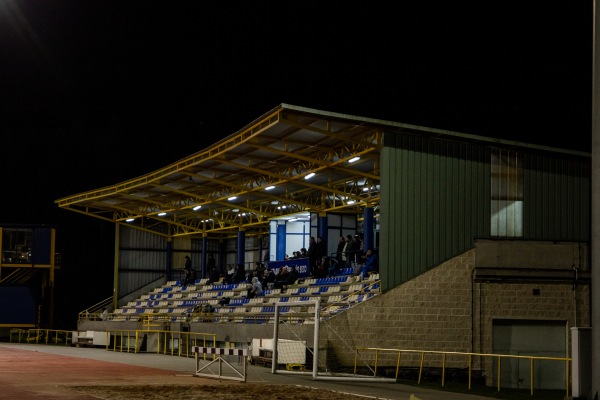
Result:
[{"x": 297, "y": 348}]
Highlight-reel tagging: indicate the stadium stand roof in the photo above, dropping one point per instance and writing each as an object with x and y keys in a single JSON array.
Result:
[
  {"x": 258, "y": 174},
  {"x": 265, "y": 166}
]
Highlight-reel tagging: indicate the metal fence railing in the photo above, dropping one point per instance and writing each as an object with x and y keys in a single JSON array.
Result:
[{"x": 439, "y": 359}]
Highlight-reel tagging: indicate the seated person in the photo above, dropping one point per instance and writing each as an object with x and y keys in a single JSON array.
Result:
[
  {"x": 213, "y": 275},
  {"x": 322, "y": 270},
  {"x": 268, "y": 279},
  {"x": 230, "y": 276},
  {"x": 371, "y": 264},
  {"x": 281, "y": 277},
  {"x": 256, "y": 289},
  {"x": 291, "y": 276},
  {"x": 190, "y": 277}
]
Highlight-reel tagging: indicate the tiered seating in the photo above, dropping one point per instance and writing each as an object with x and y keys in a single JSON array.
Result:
[{"x": 175, "y": 302}]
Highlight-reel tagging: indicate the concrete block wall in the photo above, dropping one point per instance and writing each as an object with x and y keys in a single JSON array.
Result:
[
  {"x": 430, "y": 312},
  {"x": 445, "y": 310}
]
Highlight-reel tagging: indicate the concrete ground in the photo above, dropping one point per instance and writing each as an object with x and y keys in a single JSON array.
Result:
[{"x": 29, "y": 371}]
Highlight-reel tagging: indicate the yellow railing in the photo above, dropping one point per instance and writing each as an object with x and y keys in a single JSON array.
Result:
[
  {"x": 377, "y": 353},
  {"x": 173, "y": 343},
  {"x": 94, "y": 313},
  {"x": 41, "y": 336}
]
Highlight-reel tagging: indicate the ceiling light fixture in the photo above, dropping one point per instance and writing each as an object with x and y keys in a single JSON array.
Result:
[
  {"x": 197, "y": 208},
  {"x": 354, "y": 159},
  {"x": 270, "y": 187},
  {"x": 309, "y": 175},
  {"x": 162, "y": 214},
  {"x": 130, "y": 220},
  {"x": 232, "y": 198}
]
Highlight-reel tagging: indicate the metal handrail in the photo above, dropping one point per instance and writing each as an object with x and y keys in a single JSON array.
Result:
[{"x": 470, "y": 356}]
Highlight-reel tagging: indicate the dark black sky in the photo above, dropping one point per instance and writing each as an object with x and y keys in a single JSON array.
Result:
[{"x": 96, "y": 92}]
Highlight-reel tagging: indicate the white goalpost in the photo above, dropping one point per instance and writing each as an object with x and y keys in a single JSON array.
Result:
[{"x": 296, "y": 345}]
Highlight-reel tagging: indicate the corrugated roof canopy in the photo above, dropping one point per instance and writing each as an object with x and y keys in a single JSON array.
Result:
[{"x": 265, "y": 166}]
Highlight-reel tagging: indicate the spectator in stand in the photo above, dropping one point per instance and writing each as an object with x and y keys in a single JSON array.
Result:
[
  {"x": 359, "y": 249},
  {"x": 240, "y": 274},
  {"x": 269, "y": 279},
  {"x": 280, "y": 277},
  {"x": 289, "y": 277},
  {"x": 349, "y": 252},
  {"x": 210, "y": 262},
  {"x": 371, "y": 264},
  {"x": 339, "y": 254},
  {"x": 322, "y": 270},
  {"x": 213, "y": 275},
  {"x": 292, "y": 276},
  {"x": 260, "y": 269},
  {"x": 312, "y": 255},
  {"x": 190, "y": 273},
  {"x": 256, "y": 289},
  {"x": 321, "y": 249},
  {"x": 230, "y": 276},
  {"x": 332, "y": 267},
  {"x": 257, "y": 271}
]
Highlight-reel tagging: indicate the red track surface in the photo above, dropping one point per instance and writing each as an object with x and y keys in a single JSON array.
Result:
[{"x": 28, "y": 375}]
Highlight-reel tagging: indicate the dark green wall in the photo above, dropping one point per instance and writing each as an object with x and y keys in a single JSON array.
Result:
[{"x": 435, "y": 201}]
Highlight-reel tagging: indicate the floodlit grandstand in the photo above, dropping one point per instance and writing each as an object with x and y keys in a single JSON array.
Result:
[{"x": 189, "y": 303}]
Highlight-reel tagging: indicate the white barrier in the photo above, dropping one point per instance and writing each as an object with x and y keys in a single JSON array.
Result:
[{"x": 237, "y": 375}]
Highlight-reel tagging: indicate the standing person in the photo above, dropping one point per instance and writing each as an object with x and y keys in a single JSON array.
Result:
[
  {"x": 190, "y": 273},
  {"x": 240, "y": 274},
  {"x": 349, "y": 252},
  {"x": 359, "y": 256},
  {"x": 339, "y": 253},
  {"x": 312, "y": 255},
  {"x": 210, "y": 262},
  {"x": 321, "y": 250}
]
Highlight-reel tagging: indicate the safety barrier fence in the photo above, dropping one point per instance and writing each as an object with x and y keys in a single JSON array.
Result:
[
  {"x": 174, "y": 343},
  {"x": 41, "y": 336},
  {"x": 439, "y": 359}
]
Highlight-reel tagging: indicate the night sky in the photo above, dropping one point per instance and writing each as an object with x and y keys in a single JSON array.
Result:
[{"x": 96, "y": 92}]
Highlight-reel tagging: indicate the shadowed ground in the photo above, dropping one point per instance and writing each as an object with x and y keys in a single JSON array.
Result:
[{"x": 30, "y": 372}]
